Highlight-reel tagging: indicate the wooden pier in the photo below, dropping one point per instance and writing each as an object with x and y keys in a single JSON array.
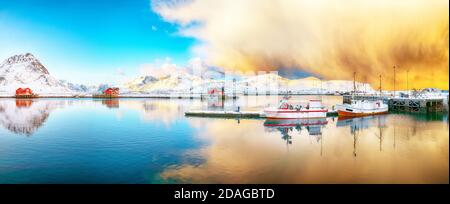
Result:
[
  {"x": 235, "y": 114},
  {"x": 415, "y": 105},
  {"x": 226, "y": 114},
  {"x": 27, "y": 96},
  {"x": 104, "y": 96}
]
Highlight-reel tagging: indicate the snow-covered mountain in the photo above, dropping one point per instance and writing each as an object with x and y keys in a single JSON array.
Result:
[
  {"x": 27, "y": 71},
  {"x": 182, "y": 82},
  {"x": 179, "y": 81}
]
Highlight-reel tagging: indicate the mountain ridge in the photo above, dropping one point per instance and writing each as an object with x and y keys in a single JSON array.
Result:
[{"x": 27, "y": 71}]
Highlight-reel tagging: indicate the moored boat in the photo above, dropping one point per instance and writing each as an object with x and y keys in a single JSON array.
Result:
[
  {"x": 359, "y": 108},
  {"x": 285, "y": 110}
]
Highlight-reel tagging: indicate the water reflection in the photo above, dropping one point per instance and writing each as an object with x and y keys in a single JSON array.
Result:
[
  {"x": 153, "y": 142},
  {"x": 215, "y": 103},
  {"x": 111, "y": 103},
  {"x": 358, "y": 124},
  {"x": 295, "y": 126},
  {"x": 25, "y": 116},
  {"x": 373, "y": 149}
]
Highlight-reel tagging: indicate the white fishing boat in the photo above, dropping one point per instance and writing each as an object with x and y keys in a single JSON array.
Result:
[
  {"x": 359, "y": 108},
  {"x": 285, "y": 110}
]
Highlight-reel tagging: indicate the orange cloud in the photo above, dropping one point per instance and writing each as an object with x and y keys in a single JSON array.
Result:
[{"x": 327, "y": 38}]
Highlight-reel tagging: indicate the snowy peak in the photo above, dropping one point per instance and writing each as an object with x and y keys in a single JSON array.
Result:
[
  {"x": 311, "y": 78},
  {"x": 28, "y": 58},
  {"x": 26, "y": 71}
]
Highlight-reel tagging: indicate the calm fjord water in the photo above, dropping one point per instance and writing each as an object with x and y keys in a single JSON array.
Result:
[{"x": 151, "y": 141}]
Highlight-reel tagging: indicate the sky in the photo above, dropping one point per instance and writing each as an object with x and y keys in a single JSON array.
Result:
[
  {"x": 90, "y": 41},
  {"x": 101, "y": 41}
]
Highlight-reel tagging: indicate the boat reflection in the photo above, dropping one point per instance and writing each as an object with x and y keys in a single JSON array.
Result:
[
  {"x": 358, "y": 124},
  {"x": 285, "y": 126}
]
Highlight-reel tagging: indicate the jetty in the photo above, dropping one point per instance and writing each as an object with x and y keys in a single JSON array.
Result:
[
  {"x": 405, "y": 104},
  {"x": 236, "y": 114},
  {"x": 225, "y": 114},
  {"x": 417, "y": 105}
]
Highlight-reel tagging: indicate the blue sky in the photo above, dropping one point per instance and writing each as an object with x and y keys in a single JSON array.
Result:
[{"x": 88, "y": 41}]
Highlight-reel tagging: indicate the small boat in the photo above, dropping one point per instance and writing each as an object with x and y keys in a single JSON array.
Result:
[
  {"x": 359, "y": 108},
  {"x": 313, "y": 109}
]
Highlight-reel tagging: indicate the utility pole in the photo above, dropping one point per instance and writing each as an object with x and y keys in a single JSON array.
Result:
[
  {"x": 407, "y": 81},
  {"x": 354, "y": 82},
  {"x": 380, "y": 85},
  {"x": 394, "y": 81},
  {"x": 234, "y": 88}
]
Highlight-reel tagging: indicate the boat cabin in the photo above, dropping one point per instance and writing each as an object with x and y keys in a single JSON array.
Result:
[{"x": 313, "y": 104}]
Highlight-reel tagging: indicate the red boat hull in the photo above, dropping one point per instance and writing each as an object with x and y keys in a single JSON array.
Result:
[{"x": 350, "y": 114}]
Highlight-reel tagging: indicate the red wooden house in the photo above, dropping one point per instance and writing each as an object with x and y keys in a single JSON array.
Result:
[
  {"x": 24, "y": 92},
  {"x": 215, "y": 91},
  {"x": 111, "y": 91}
]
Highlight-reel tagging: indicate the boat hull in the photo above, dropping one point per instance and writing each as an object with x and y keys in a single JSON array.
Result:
[
  {"x": 295, "y": 114},
  {"x": 342, "y": 113},
  {"x": 359, "y": 108},
  {"x": 295, "y": 122}
]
